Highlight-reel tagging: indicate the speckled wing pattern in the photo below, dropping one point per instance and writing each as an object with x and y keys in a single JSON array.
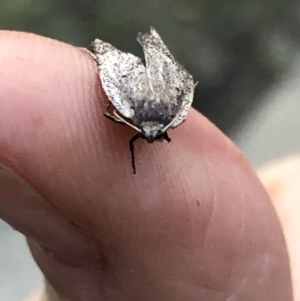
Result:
[
  {"x": 123, "y": 77},
  {"x": 126, "y": 80},
  {"x": 168, "y": 80}
]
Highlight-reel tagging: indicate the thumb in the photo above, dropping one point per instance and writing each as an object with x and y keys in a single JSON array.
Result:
[{"x": 194, "y": 224}]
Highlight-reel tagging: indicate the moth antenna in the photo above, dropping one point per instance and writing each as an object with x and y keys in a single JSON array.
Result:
[
  {"x": 131, "y": 147},
  {"x": 126, "y": 122}
]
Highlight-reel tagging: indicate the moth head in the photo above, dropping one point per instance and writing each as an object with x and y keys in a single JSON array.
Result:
[{"x": 152, "y": 131}]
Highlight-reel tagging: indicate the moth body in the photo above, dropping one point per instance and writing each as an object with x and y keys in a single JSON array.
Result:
[{"x": 151, "y": 96}]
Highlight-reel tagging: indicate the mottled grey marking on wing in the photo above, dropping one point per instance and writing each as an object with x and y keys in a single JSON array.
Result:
[
  {"x": 170, "y": 82},
  {"x": 123, "y": 77}
]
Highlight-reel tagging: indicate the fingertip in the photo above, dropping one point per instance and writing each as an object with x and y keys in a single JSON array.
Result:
[
  {"x": 49, "y": 93},
  {"x": 194, "y": 200}
]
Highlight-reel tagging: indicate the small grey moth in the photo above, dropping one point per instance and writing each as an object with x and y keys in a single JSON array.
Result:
[{"x": 151, "y": 96}]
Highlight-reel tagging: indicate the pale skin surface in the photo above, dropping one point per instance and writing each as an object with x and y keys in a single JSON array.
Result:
[
  {"x": 281, "y": 179},
  {"x": 194, "y": 224}
]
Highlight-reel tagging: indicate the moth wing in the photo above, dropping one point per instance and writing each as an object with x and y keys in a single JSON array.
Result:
[
  {"x": 123, "y": 77},
  {"x": 170, "y": 82},
  {"x": 187, "y": 100}
]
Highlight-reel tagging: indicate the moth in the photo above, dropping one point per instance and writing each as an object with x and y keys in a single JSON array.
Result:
[{"x": 151, "y": 95}]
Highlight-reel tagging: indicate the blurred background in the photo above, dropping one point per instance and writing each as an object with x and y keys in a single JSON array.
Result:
[{"x": 243, "y": 53}]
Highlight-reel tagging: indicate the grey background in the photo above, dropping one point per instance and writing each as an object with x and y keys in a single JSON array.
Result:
[{"x": 273, "y": 131}]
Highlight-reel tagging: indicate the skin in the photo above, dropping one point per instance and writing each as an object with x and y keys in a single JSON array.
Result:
[
  {"x": 194, "y": 223},
  {"x": 281, "y": 179}
]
